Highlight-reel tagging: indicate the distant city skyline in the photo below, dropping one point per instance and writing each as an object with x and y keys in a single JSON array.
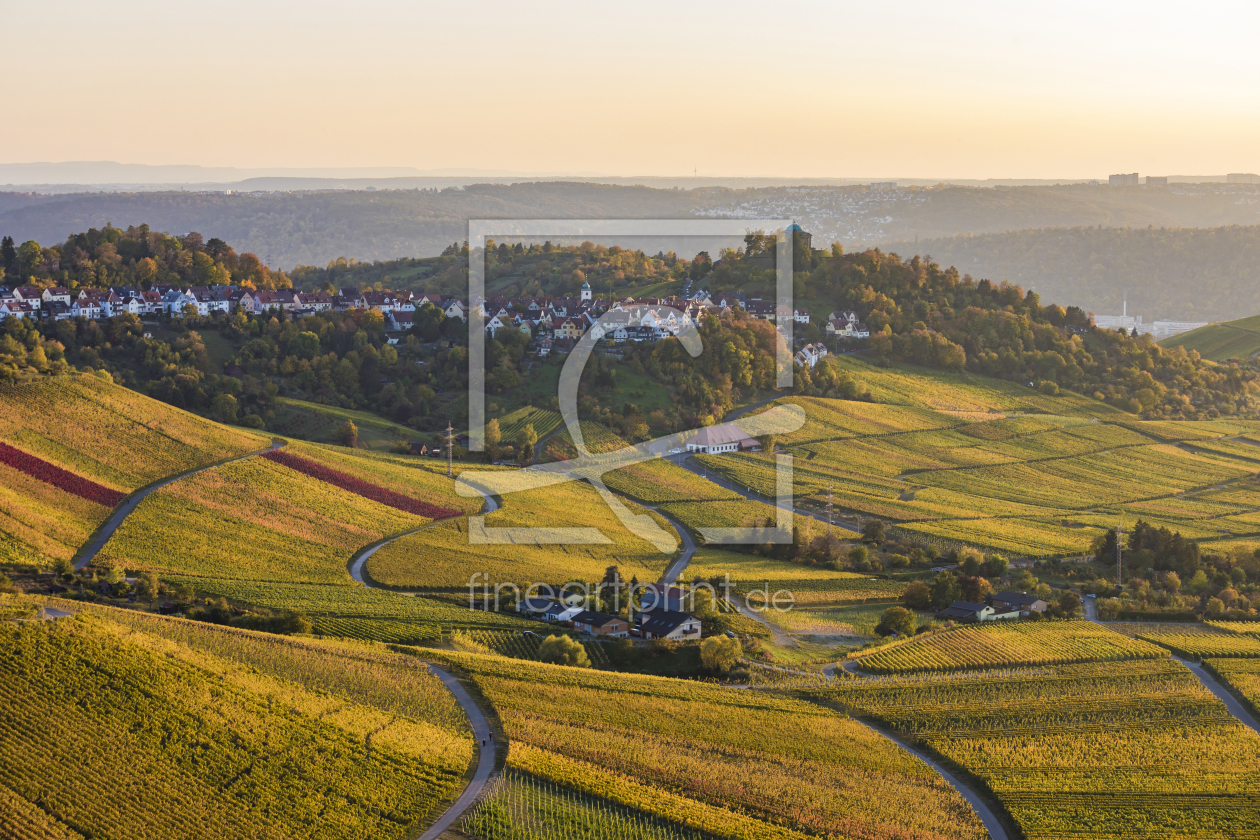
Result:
[{"x": 815, "y": 90}]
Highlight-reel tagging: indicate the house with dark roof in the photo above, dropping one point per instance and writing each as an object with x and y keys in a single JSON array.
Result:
[
  {"x": 661, "y": 596},
  {"x": 971, "y": 613},
  {"x": 538, "y": 607},
  {"x": 668, "y": 624},
  {"x": 598, "y": 624},
  {"x": 1019, "y": 601}
]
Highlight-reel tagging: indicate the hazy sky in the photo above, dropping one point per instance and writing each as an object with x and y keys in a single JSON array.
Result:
[{"x": 970, "y": 90}]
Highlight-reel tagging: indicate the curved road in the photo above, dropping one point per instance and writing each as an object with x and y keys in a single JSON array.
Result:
[
  {"x": 991, "y": 823},
  {"x": 129, "y": 504},
  {"x": 485, "y": 756},
  {"x": 1222, "y": 693},
  {"x": 358, "y": 561}
]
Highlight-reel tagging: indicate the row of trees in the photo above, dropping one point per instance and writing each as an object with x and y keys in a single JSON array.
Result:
[{"x": 135, "y": 257}]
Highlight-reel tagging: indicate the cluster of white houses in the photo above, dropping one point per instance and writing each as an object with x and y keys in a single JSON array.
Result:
[
  {"x": 554, "y": 322},
  {"x": 660, "y": 616},
  {"x": 1000, "y": 607}
]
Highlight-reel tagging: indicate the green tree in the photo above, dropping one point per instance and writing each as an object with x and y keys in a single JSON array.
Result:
[
  {"x": 918, "y": 595},
  {"x": 526, "y": 438},
  {"x": 226, "y": 408},
  {"x": 563, "y": 650},
  {"x": 348, "y": 434},
  {"x": 304, "y": 345},
  {"x": 995, "y": 566},
  {"x": 63, "y": 568},
  {"x": 945, "y": 590},
  {"x": 873, "y": 531},
  {"x": 147, "y": 587},
  {"x": 1070, "y": 603},
  {"x": 858, "y": 554},
  {"x": 897, "y": 620},
  {"x": 720, "y": 653},
  {"x": 493, "y": 435}
]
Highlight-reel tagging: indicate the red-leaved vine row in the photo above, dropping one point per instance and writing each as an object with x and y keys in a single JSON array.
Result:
[
  {"x": 359, "y": 487},
  {"x": 57, "y": 477}
]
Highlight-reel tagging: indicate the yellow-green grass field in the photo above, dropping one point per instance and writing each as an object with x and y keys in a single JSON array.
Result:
[
  {"x": 732, "y": 764},
  {"x": 1007, "y": 644},
  {"x": 442, "y": 558},
  {"x": 1109, "y": 751},
  {"x": 197, "y": 730},
  {"x": 258, "y": 520},
  {"x": 1228, "y": 340},
  {"x": 104, "y": 433}
]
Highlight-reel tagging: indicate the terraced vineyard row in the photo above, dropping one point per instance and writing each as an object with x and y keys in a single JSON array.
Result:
[
  {"x": 1199, "y": 645},
  {"x": 1109, "y": 751},
  {"x": 1005, "y": 644}
]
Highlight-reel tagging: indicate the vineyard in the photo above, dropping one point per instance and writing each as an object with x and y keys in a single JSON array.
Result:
[
  {"x": 1250, "y": 628},
  {"x": 357, "y": 486},
  {"x": 442, "y": 558},
  {"x": 520, "y": 807},
  {"x": 73, "y": 447},
  {"x": 1003, "y": 644},
  {"x": 1109, "y": 751},
  {"x": 254, "y": 520},
  {"x": 518, "y": 646},
  {"x": 729, "y": 764},
  {"x": 657, "y": 481},
  {"x": 154, "y": 727},
  {"x": 1200, "y": 645},
  {"x": 544, "y": 422},
  {"x": 358, "y": 612},
  {"x": 1242, "y": 675}
]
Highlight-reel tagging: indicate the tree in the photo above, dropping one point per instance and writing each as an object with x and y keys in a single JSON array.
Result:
[
  {"x": 226, "y": 408},
  {"x": 148, "y": 587},
  {"x": 974, "y": 588},
  {"x": 563, "y": 650},
  {"x": 493, "y": 435},
  {"x": 858, "y": 554},
  {"x": 8, "y": 254},
  {"x": 720, "y": 653},
  {"x": 1172, "y": 582},
  {"x": 896, "y": 620},
  {"x": 348, "y": 433},
  {"x": 525, "y": 440},
  {"x": 63, "y": 568},
  {"x": 304, "y": 345},
  {"x": 945, "y": 590},
  {"x": 1070, "y": 603},
  {"x": 873, "y": 531},
  {"x": 1215, "y": 606},
  {"x": 918, "y": 595},
  {"x": 994, "y": 566},
  {"x": 969, "y": 564},
  {"x": 1198, "y": 583}
]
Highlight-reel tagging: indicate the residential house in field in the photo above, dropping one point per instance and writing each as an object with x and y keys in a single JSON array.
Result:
[
  {"x": 661, "y": 596},
  {"x": 810, "y": 355},
  {"x": 30, "y": 294},
  {"x": 668, "y": 624},
  {"x": 846, "y": 325},
  {"x": 970, "y": 613},
  {"x": 1019, "y": 601},
  {"x": 598, "y": 624},
  {"x": 56, "y": 294},
  {"x": 727, "y": 437},
  {"x": 536, "y": 607}
]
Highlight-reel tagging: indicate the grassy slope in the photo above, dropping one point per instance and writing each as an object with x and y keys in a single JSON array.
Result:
[
  {"x": 1229, "y": 340},
  {"x": 734, "y": 764},
  {"x": 193, "y": 730},
  {"x": 103, "y": 432}
]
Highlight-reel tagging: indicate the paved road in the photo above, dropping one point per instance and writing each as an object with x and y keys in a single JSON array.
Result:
[
  {"x": 358, "y": 561},
  {"x": 850, "y": 522},
  {"x": 129, "y": 504},
  {"x": 688, "y": 548},
  {"x": 1201, "y": 674},
  {"x": 485, "y": 756},
  {"x": 991, "y": 823}
]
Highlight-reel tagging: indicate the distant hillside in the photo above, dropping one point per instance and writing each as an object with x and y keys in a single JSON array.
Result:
[
  {"x": 1231, "y": 340},
  {"x": 1178, "y": 274},
  {"x": 312, "y": 228}
]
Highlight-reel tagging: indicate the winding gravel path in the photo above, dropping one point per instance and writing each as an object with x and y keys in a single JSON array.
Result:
[
  {"x": 485, "y": 756},
  {"x": 359, "y": 560},
  {"x": 991, "y": 823},
  {"x": 131, "y": 502}
]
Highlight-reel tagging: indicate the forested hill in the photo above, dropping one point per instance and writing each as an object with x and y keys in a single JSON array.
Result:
[{"x": 1185, "y": 274}]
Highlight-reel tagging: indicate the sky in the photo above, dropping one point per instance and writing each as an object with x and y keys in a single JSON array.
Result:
[{"x": 807, "y": 89}]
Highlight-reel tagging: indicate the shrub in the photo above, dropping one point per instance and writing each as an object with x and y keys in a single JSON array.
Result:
[
  {"x": 720, "y": 653},
  {"x": 897, "y": 620},
  {"x": 563, "y": 650}
]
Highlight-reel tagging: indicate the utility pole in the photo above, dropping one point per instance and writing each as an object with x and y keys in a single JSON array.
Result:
[
  {"x": 828, "y": 511},
  {"x": 1119, "y": 542},
  {"x": 450, "y": 432}
]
